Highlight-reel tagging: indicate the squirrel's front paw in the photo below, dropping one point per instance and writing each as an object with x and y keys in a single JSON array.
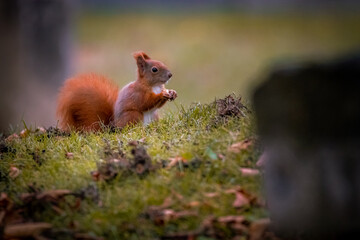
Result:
[
  {"x": 166, "y": 95},
  {"x": 172, "y": 94},
  {"x": 169, "y": 94}
]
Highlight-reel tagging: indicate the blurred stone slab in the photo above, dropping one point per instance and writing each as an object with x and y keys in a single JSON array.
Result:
[{"x": 309, "y": 121}]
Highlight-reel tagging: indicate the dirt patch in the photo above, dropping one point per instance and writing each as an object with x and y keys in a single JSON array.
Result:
[
  {"x": 116, "y": 163},
  {"x": 53, "y": 132},
  {"x": 231, "y": 106},
  {"x": 141, "y": 162},
  {"x": 227, "y": 108}
]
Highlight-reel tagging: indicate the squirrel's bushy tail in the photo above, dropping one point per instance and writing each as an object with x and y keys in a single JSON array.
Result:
[{"x": 86, "y": 101}]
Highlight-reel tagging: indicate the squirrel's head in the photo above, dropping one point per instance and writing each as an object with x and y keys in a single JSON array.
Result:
[{"x": 154, "y": 72}]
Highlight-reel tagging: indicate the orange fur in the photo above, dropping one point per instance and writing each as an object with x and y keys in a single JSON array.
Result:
[{"x": 86, "y": 101}]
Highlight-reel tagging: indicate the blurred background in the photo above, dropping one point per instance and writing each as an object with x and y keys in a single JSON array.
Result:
[{"x": 213, "y": 47}]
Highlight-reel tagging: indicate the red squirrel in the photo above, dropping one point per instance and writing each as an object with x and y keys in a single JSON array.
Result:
[{"x": 87, "y": 101}]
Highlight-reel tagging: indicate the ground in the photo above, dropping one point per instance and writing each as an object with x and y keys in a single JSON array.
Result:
[{"x": 105, "y": 185}]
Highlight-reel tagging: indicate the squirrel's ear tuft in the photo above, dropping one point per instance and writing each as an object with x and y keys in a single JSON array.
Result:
[
  {"x": 141, "y": 54},
  {"x": 141, "y": 58},
  {"x": 145, "y": 56}
]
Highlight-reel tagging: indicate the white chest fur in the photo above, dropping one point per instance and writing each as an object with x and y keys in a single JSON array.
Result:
[
  {"x": 157, "y": 89},
  {"x": 151, "y": 115}
]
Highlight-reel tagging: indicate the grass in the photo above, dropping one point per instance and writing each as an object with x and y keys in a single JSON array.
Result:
[{"x": 193, "y": 133}]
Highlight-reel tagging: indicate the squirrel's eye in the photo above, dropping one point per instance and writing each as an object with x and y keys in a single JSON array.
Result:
[{"x": 154, "y": 69}]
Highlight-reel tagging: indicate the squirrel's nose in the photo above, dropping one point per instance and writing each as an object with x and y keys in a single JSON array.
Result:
[{"x": 169, "y": 74}]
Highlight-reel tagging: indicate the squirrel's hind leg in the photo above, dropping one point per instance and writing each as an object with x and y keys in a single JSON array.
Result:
[{"x": 129, "y": 117}]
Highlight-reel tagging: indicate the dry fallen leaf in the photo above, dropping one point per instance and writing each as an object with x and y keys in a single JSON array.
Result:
[
  {"x": 249, "y": 172},
  {"x": 162, "y": 216},
  {"x": 194, "y": 204},
  {"x": 185, "y": 213},
  {"x": 133, "y": 143},
  {"x": 211, "y": 194},
  {"x": 174, "y": 161},
  {"x": 69, "y": 155},
  {"x": 162, "y": 213},
  {"x": 215, "y": 227},
  {"x": 231, "y": 219},
  {"x": 169, "y": 214},
  {"x": 12, "y": 137},
  {"x": 242, "y": 197},
  {"x": 240, "y": 200},
  {"x": 40, "y": 130},
  {"x": 167, "y": 203},
  {"x": 156, "y": 209},
  {"x": 53, "y": 194},
  {"x": 233, "y": 190},
  {"x": 25, "y": 230},
  {"x": 14, "y": 172},
  {"x": 221, "y": 156},
  {"x": 24, "y": 133},
  {"x": 239, "y": 146}
]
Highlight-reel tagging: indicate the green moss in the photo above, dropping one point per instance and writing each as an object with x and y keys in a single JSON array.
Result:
[{"x": 190, "y": 134}]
